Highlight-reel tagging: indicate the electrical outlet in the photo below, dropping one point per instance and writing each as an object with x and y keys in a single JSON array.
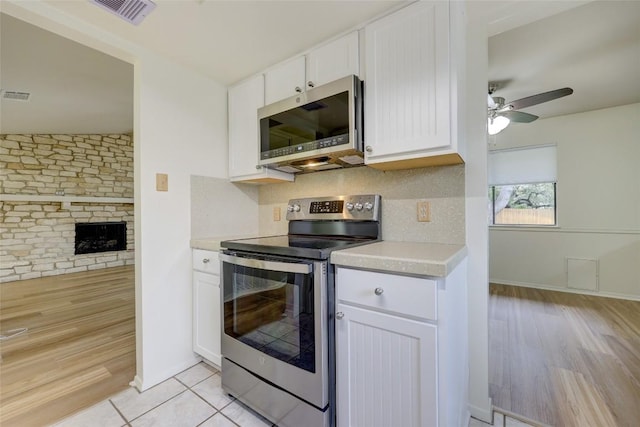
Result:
[
  {"x": 424, "y": 211},
  {"x": 276, "y": 213},
  {"x": 162, "y": 182}
]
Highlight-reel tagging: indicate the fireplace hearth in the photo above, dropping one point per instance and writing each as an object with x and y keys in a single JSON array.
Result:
[{"x": 92, "y": 237}]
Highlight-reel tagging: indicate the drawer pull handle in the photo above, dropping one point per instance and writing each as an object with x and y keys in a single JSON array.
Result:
[
  {"x": 206, "y": 261},
  {"x": 339, "y": 315},
  {"x": 378, "y": 291}
]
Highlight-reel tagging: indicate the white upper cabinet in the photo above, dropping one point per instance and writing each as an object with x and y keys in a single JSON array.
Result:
[
  {"x": 408, "y": 106},
  {"x": 325, "y": 64},
  {"x": 243, "y": 103},
  {"x": 284, "y": 80},
  {"x": 334, "y": 60}
]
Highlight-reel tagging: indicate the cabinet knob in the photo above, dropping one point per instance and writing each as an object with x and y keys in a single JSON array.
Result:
[
  {"x": 378, "y": 291},
  {"x": 298, "y": 89},
  {"x": 368, "y": 149},
  {"x": 206, "y": 261},
  {"x": 339, "y": 315},
  {"x": 310, "y": 84},
  {"x": 258, "y": 167}
]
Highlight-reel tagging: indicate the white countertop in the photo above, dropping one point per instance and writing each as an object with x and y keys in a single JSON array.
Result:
[
  {"x": 423, "y": 259},
  {"x": 213, "y": 243}
]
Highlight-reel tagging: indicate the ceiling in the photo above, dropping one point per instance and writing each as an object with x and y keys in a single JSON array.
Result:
[{"x": 593, "y": 47}]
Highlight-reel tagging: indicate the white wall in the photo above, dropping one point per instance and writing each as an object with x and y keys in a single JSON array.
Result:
[
  {"x": 179, "y": 129},
  {"x": 598, "y": 203},
  {"x": 475, "y": 135}
]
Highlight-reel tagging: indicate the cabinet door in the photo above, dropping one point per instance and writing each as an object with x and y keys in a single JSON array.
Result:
[
  {"x": 407, "y": 103},
  {"x": 334, "y": 60},
  {"x": 244, "y": 139},
  {"x": 285, "y": 80},
  {"x": 244, "y": 101},
  {"x": 206, "y": 316},
  {"x": 386, "y": 370}
]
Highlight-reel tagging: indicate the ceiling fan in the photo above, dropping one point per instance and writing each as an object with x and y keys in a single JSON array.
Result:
[{"x": 501, "y": 113}]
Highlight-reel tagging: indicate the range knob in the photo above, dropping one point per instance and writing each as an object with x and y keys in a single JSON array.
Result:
[
  {"x": 358, "y": 206},
  {"x": 289, "y": 208},
  {"x": 349, "y": 206},
  {"x": 296, "y": 207},
  {"x": 368, "y": 206}
]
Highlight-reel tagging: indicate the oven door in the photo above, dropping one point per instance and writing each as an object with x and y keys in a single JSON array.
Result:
[{"x": 274, "y": 320}]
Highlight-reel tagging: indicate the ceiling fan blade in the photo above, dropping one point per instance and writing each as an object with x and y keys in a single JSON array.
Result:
[
  {"x": 539, "y": 98},
  {"x": 519, "y": 116}
]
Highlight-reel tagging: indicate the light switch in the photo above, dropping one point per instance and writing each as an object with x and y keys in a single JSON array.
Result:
[
  {"x": 276, "y": 213},
  {"x": 162, "y": 182}
]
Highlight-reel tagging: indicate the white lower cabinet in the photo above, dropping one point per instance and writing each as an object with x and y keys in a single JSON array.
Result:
[
  {"x": 386, "y": 370},
  {"x": 401, "y": 349},
  {"x": 206, "y": 305}
]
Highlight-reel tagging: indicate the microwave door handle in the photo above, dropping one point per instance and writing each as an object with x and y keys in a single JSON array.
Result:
[{"x": 286, "y": 267}]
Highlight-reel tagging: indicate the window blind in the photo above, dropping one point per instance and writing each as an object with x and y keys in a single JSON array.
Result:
[{"x": 526, "y": 165}]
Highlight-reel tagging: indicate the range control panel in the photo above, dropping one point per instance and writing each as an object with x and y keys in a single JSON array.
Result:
[
  {"x": 365, "y": 207},
  {"x": 330, "y": 206}
]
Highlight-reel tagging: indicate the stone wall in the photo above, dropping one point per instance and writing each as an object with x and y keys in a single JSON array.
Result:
[
  {"x": 38, "y": 236},
  {"x": 79, "y": 165}
]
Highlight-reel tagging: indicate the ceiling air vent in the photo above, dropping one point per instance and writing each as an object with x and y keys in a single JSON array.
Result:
[
  {"x": 15, "y": 96},
  {"x": 133, "y": 11}
]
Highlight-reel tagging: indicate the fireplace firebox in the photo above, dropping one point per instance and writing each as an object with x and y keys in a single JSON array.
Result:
[{"x": 92, "y": 237}]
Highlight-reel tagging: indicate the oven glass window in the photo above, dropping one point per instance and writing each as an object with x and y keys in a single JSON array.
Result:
[{"x": 272, "y": 312}]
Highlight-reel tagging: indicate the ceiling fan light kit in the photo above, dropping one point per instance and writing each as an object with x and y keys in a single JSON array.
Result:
[
  {"x": 500, "y": 114},
  {"x": 497, "y": 124}
]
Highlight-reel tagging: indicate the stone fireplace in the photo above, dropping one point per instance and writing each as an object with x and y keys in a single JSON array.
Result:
[
  {"x": 94, "y": 237},
  {"x": 48, "y": 184}
]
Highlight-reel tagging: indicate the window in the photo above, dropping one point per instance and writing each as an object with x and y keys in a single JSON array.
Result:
[
  {"x": 522, "y": 186},
  {"x": 523, "y": 204}
]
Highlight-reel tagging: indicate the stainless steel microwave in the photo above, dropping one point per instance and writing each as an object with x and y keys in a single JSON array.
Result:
[{"x": 315, "y": 130}]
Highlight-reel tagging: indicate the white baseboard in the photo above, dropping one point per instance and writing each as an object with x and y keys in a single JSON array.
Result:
[
  {"x": 482, "y": 414},
  {"x": 568, "y": 290},
  {"x": 143, "y": 384},
  {"x": 137, "y": 383}
]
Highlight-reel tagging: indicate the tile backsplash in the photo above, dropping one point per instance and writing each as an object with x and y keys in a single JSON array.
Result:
[{"x": 442, "y": 187}]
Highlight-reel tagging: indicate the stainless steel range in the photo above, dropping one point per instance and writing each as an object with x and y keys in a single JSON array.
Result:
[{"x": 278, "y": 303}]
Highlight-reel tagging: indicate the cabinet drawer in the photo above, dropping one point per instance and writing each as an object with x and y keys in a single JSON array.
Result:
[
  {"x": 206, "y": 261},
  {"x": 411, "y": 296}
]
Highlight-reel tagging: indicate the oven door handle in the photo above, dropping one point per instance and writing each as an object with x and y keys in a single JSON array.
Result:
[{"x": 287, "y": 267}]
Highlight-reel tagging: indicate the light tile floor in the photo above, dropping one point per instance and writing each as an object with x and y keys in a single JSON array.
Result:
[{"x": 193, "y": 398}]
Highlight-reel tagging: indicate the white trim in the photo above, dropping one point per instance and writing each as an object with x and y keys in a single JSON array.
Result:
[
  {"x": 524, "y": 147},
  {"x": 482, "y": 414},
  {"x": 556, "y": 229},
  {"x": 137, "y": 383},
  {"x": 565, "y": 289},
  {"x": 143, "y": 385}
]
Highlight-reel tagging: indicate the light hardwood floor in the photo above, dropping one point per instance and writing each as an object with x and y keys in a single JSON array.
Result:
[
  {"x": 564, "y": 359},
  {"x": 79, "y": 348}
]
